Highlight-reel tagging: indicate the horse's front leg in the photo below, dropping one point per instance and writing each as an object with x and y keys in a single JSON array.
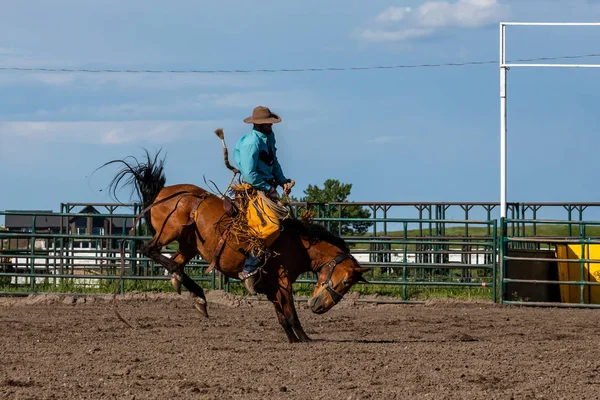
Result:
[
  {"x": 286, "y": 312},
  {"x": 285, "y": 323},
  {"x": 297, "y": 326}
]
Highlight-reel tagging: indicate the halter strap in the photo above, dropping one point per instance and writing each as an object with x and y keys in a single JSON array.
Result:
[{"x": 335, "y": 296}]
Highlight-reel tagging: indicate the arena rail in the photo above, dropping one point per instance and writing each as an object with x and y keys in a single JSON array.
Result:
[
  {"x": 558, "y": 269},
  {"x": 71, "y": 262},
  {"x": 413, "y": 249}
]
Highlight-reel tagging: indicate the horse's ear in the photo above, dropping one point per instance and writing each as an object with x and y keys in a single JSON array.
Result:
[{"x": 362, "y": 270}]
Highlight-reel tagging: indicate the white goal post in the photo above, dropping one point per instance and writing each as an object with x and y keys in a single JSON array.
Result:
[{"x": 504, "y": 66}]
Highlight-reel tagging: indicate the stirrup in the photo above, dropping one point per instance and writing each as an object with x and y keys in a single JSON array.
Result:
[
  {"x": 249, "y": 280},
  {"x": 245, "y": 275}
]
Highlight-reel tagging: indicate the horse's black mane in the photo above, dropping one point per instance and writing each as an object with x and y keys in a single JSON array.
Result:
[{"x": 314, "y": 232}]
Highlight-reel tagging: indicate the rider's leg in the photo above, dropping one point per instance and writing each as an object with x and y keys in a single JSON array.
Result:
[{"x": 248, "y": 274}]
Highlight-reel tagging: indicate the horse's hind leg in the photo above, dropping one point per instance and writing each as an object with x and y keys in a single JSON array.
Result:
[
  {"x": 186, "y": 252},
  {"x": 197, "y": 294},
  {"x": 175, "y": 267},
  {"x": 152, "y": 251},
  {"x": 183, "y": 255}
]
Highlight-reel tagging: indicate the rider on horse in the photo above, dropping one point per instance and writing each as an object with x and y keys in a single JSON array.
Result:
[{"x": 256, "y": 157}]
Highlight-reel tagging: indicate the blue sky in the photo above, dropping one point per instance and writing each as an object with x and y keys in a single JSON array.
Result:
[{"x": 422, "y": 134}]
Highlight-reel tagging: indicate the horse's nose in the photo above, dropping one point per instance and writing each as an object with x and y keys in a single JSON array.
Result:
[{"x": 316, "y": 305}]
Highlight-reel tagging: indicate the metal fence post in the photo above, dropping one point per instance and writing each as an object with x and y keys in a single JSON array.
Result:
[
  {"x": 32, "y": 253},
  {"x": 502, "y": 248},
  {"x": 495, "y": 262}
]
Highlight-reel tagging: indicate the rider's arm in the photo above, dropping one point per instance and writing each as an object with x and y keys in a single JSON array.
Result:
[{"x": 248, "y": 164}]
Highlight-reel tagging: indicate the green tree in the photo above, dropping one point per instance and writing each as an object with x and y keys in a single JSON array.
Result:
[{"x": 334, "y": 191}]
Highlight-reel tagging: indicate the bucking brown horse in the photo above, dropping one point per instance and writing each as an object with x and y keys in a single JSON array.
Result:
[{"x": 198, "y": 220}]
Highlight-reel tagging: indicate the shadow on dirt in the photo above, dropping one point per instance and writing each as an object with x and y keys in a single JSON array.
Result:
[{"x": 396, "y": 341}]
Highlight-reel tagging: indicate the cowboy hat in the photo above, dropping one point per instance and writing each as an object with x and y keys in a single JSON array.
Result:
[{"x": 262, "y": 115}]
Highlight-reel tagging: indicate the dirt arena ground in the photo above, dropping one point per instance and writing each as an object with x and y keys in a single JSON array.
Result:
[{"x": 58, "y": 347}]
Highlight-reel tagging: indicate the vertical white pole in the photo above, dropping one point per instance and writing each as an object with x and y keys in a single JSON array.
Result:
[{"x": 502, "y": 120}]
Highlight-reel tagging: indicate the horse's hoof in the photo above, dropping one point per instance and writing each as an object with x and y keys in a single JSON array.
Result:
[
  {"x": 176, "y": 280},
  {"x": 200, "y": 305}
]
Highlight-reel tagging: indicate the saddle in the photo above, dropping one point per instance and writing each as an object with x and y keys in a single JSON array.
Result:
[
  {"x": 230, "y": 207},
  {"x": 252, "y": 219}
]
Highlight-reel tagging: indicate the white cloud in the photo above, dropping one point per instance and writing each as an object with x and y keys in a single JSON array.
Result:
[
  {"x": 394, "y": 14},
  {"x": 464, "y": 13},
  {"x": 404, "y": 34},
  {"x": 155, "y": 132},
  {"x": 404, "y": 23},
  {"x": 113, "y": 137},
  {"x": 106, "y": 132}
]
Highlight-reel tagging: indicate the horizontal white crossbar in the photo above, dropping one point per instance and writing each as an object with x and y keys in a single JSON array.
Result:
[
  {"x": 551, "y": 23},
  {"x": 553, "y": 65}
]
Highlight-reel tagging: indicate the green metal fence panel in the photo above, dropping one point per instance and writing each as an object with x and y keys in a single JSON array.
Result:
[
  {"x": 409, "y": 258},
  {"x": 529, "y": 237},
  {"x": 45, "y": 261},
  {"x": 408, "y": 246}
]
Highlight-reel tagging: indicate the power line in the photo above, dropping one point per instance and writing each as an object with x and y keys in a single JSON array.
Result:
[{"x": 232, "y": 71}]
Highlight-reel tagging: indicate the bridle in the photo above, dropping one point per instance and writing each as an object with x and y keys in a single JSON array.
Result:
[{"x": 327, "y": 284}]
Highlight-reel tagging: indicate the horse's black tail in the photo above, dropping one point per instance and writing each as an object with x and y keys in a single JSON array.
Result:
[{"x": 147, "y": 178}]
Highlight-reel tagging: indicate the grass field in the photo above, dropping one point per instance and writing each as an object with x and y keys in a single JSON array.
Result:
[{"x": 300, "y": 289}]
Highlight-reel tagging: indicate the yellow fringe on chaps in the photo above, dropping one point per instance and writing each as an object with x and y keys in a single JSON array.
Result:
[{"x": 264, "y": 216}]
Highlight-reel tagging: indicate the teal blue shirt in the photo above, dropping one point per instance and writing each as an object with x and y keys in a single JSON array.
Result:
[{"x": 256, "y": 156}]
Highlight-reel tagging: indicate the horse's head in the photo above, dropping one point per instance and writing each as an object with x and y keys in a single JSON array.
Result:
[
  {"x": 336, "y": 277},
  {"x": 330, "y": 257}
]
